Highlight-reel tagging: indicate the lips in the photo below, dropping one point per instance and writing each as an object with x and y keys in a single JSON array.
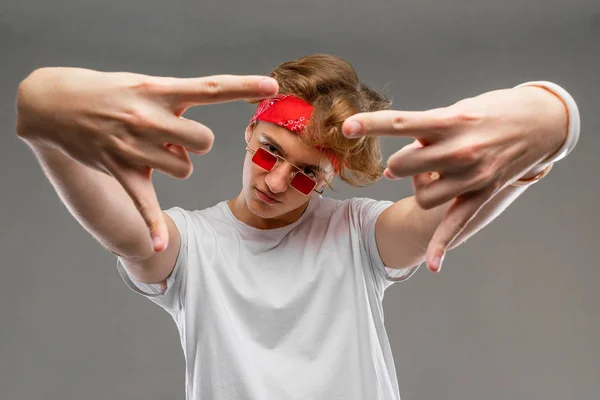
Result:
[{"x": 266, "y": 197}]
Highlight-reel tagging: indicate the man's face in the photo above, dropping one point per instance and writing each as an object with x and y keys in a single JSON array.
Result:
[{"x": 268, "y": 194}]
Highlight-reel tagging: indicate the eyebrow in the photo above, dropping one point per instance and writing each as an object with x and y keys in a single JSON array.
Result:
[{"x": 284, "y": 154}]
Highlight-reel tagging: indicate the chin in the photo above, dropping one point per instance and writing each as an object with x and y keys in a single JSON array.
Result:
[{"x": 262, "y": 210}]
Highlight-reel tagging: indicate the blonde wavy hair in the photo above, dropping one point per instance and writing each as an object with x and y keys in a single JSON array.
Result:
[{"x": 331, "y": 85}]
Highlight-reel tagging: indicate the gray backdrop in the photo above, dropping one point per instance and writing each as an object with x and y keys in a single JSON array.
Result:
[{"x": 513, "y": 315}]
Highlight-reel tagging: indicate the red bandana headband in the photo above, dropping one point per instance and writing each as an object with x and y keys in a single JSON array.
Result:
[{"x": 289, "y": 112}]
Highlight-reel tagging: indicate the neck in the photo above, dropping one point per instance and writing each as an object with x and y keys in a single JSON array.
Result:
[{"x": 239, "y": 208}]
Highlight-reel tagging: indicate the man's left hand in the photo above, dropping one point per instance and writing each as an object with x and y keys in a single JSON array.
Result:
[{"x": 469, "y": 151}]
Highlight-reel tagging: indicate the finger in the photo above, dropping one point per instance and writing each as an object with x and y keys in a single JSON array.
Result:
[
  {"x": 185, "y": 92},
  {"x": 431, "y": 192},
  {"x": 429, "y": 125},
  {"x": 192, "y": 135},
  {"x": 137, "y": 183},
  {"x": 454, "y": 222},
  {"x": 416, "y": 159},
  {"x": 171, "y": 162},
  {"x": 160, "y": 126},
  {"x": 414, "y": 145}
]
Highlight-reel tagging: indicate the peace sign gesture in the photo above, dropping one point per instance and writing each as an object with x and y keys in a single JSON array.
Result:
[
  {"x": 127, "y": 125},
  {"x": 469, "y": 151}
]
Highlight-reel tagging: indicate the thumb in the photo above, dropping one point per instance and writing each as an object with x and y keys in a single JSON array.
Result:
[{"x": 137, "y": 182}]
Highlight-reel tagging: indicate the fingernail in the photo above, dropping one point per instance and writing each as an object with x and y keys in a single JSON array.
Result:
[
  {"x": 353, "y": 129},
  {"x": 437, "y": 263},
  {"x": 389, "y": 175},
  {"x": 268, "y": 86},
  {"x": 156, "y": 242}
]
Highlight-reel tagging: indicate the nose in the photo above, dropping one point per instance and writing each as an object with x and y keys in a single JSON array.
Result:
[{"x": 278, "y": 178}]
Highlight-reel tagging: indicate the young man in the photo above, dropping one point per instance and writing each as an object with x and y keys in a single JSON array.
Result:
[{"x": 277, "y": 293}]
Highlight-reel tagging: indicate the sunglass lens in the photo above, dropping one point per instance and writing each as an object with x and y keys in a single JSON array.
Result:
[
  {"x": 303, "y": 183},
  {"x": 264, "y": 159}
]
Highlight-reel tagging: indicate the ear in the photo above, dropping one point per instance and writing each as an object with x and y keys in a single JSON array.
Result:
[{"x": 249, "y": 130}]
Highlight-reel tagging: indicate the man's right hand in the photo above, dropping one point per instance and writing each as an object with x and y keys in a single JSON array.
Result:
[{"x": 126, "y": 125}]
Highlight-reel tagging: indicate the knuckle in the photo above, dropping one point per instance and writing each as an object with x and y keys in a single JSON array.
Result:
[
  {"x": 121, "y": 144},
  {"x": 449, "y": 120},
  {"x": 139, "y": 118},
  {"x": 464, "y": 117},
  {"x": 458, "y": 224},
  {"x": 212, "y": 86},
  {"x": 444, "y": 242},
  {"x": 452, "y": 118},
  {"x": 153, "y": 224},
  {"x": 472, "y": 117},
  {"x": 143, "y": 206},
  {"x": 466, "y": 155},
  {"x": 487, "y": 175},
  {"x": 398, "y": 123},
  {"x": 146, "y": 210},
  {"x": 136, "y": 82},
  {"x": 147, "y": 84},
  {"x": 153, "y": 85}
]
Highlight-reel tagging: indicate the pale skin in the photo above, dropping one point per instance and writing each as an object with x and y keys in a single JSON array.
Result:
[
  {"x": 99, "y": 136},
  {"x": 477, "y": 147}
]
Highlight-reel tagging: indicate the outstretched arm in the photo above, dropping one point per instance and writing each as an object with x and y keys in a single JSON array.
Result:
[
  {"x": 98, "y": 136},
  {"x": 462, "y": 165}
]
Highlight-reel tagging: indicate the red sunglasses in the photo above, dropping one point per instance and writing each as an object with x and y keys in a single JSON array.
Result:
[{"x": 300, "y": 181}]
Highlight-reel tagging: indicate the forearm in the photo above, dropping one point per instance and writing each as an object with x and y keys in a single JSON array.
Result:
[{"x": 98, "y": 202}]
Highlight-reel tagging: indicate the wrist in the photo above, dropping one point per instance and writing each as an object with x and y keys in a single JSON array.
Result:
[
  {"x": 563, "y": 111},
  {"x": 553, "y": 120},
  {"x": 572, "y": 115}
]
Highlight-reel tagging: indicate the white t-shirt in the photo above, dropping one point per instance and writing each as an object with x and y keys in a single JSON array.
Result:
[{"x": 293, "y": 313}]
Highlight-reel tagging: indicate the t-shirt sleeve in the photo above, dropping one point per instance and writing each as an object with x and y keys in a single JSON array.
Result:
[
  {"x": 172, "y": 297},
  {"x": 367, "y": 211}
]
